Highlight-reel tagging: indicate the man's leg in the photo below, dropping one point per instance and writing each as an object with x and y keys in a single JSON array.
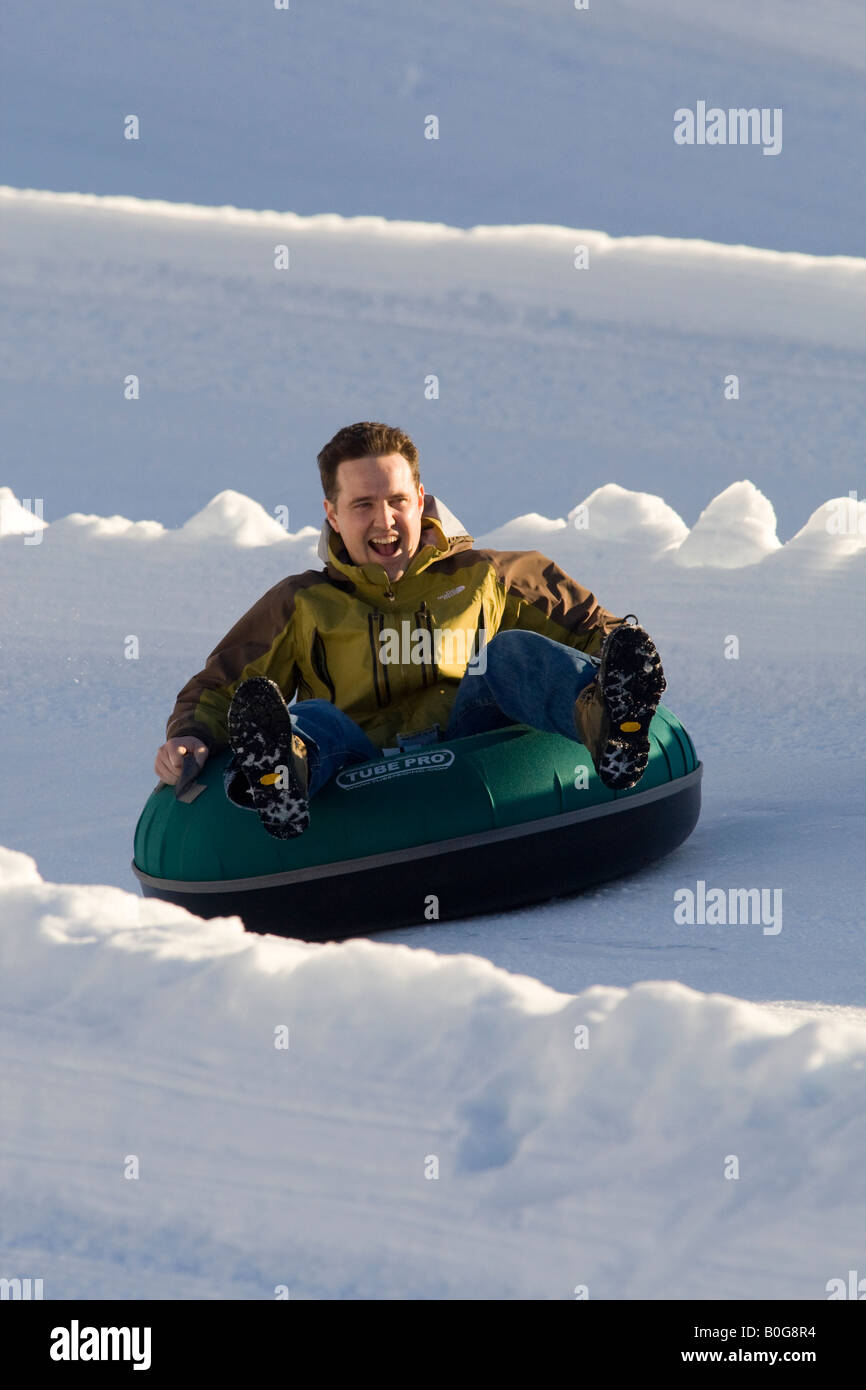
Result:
[
  {"x": 333, "y": 740},
  {"x": 605, "y": 702},
  {"x": 528, "y": 679},
  {"x": 284, "y": 755}
]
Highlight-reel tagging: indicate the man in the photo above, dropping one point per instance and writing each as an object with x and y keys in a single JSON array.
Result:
[{"x": 408, "y": 635}]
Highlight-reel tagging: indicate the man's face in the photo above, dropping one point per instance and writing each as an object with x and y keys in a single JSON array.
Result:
[{"x": 378, "y": 511}]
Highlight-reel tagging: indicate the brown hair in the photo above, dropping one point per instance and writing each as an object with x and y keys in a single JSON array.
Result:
[{"x": 359, "y": 441}]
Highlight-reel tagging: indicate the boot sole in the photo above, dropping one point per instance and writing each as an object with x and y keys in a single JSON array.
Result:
[
  {"x": 631, "y": 681},
  {"x": 262, "y": 739}
]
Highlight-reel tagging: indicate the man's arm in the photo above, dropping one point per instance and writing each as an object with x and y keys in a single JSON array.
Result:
[
  {"x": 541, "y": 597},
  {"x": 261, "y": 643}
]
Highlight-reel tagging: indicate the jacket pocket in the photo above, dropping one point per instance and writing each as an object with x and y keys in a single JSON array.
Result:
[
  {"x": 319, "y": 663},
  {"x": 429, "y": 669}
]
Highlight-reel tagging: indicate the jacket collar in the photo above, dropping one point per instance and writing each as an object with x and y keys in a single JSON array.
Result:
[{"x": 441, "y": 534}]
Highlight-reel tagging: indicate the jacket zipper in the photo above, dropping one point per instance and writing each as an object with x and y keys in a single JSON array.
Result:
[
  {"x": 381, "y": 621},
  {"x": 478, "y": 639}
]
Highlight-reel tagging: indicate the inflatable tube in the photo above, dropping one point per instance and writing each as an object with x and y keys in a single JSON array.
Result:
[{"x": 474, "y": 825}]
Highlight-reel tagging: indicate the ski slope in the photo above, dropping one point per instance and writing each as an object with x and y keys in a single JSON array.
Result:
[
  {"x": 568, "y": 114},
  {"x": 132, "y": 1029}
]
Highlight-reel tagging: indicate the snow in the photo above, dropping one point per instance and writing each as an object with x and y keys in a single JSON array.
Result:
[
  {"x": 234, "y": 520},
  {"x": 583, "y": 378},
  {"x": 88, "y": 526},
  {"x": 637, "y": 519},
  {"x": 586, "y": 413},
  {"x": 530, "y": 532},
  {"x": 546, "y": 113},
  {"x": 421, "y": 1133},
  {"x": 17, "y": 519},
  {"x": 834, "y": 530},
  {"x": 737, "y": 528},
  {"x": 143, "y": 1031}
]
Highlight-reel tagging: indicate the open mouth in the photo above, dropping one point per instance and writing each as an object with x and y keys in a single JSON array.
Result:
[{"x": 385, "y": 546}]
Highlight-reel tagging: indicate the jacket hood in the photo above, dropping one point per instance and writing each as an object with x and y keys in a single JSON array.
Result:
[{"x": 440, "y": 529}]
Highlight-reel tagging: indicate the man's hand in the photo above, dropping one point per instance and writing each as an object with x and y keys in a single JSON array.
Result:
[{"x": 169, "y": 759}]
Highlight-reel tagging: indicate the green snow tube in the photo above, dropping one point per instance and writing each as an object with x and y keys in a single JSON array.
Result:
[{"x": 471, "y": 825}]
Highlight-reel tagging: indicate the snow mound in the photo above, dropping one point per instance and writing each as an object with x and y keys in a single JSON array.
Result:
[
  {"x": 834, "y": 531},
  {"x": 528, "y": 532},
  {"x": 90, "y": 527},
  {"x": 610, "y": 514},
  {"x": 478, "y": 1103},
  {"x": 637, "y": 519},
  {"x": 17, "y": 868},
  {"x": 232, "y": 517},
  {"x": 16, "y": 519},
  {"x": 737, "y": 528}
]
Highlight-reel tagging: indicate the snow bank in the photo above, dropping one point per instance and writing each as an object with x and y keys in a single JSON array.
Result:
[
  {"x": 540, "y": 235},
  {"x": 736, "y": 529},
  {"x": 436, "y": 1127},
  {"x": 667, "y": 282},
  {"x": 229, "y": 518}
]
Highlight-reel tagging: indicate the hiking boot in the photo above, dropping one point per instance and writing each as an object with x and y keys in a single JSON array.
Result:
[
  {"x": 613, "y": 714},
  {"x": 271, "y": 756}
]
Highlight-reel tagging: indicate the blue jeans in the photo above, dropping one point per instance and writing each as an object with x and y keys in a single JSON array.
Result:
[{"x": 529, "y": 679}]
